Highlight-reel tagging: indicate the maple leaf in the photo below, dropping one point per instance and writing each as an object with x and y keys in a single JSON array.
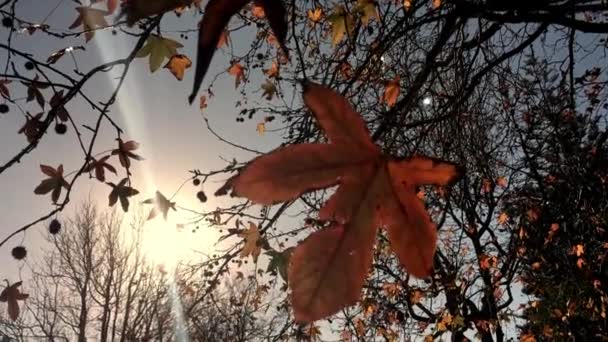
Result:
[
  {"x": 238, "y": 71},
  {"x": 57, "y": 108},
  {"x": 100, "y": 166},
  {"x": 252, "y": 242},
  {"x": 123, "y": 192},
  {"x": 33, "y": 127},
  {"x": 391, "y": 91},
  {"x": 54, "y": 183},
  {"x": 161, "y": 203},
  {"x": 178, "y": 65},
  {"x": 124, "y": 152},
  {"x": 11, "y": 295},
  {"x": 216, "y": 18},
  {"x": 33, "y": 91},
  {"x": 158, "y": 48},
  {"x": 135, "y": 10},
  {"x": 315, "y": 15},
  {"x": 279, "y": 262},
  {"x": 328, "y": 269},
  {"x": 90, "y": 19}
]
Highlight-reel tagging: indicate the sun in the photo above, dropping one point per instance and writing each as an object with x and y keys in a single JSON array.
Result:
[{"x": 167, "y": 243}]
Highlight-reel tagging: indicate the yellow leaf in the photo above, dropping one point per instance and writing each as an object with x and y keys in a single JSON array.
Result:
[
  {"x": 252, "y": 237},
  {"x": 428, "y": 338},
  {"x": 158, "y": 48},
  {"x": 261, "y": 128},
  {"x": 578, "y": 250},
  {"x": 315, "y": 15},
  {"x": 441, "y": 326},
  {"x": 341, "y": 22},
  {"x": 436, "y": 4},
  {"x": 178, "y": 65},
  {"x": 391, "y": 91},
  {"x": 238, "y": 71}
]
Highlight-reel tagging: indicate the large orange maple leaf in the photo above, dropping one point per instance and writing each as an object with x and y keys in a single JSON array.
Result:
[{"x": 328, "y": 269}]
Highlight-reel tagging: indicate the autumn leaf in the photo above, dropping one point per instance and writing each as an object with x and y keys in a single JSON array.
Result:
[
  {"x": 269, "y": 90},
  {"x": 328, "y": 269},
  {"x": 279, "y": 262},
  {"x": 161, "y": 203},
  {"x": 33, "y": 91},
  {"x": 159, "y": 49},
  {"x": 273, "y": 71},
  {"x": 368, "y": 11},
  {"x": 261, "y": 128},
  {"x": 100, "y": 166},
  {"x": 341, "y": 22},
  {"x": 315, "y": 15},
  {"x": 55, "y": 182},
  {"x": 57, "y": 108},
  {"x": 436, "y": 4},
  {"x": 123, "y": 192},
  {"x": 125, "y": 154},
  {"x": 216, "y": 18},
  {"x": 90, "y": 19},
  {"x": 135, "y": 10},
  {"x": 391, "y": 91},
  {"x": 238, "y": 71},
  {"x": 11, "y": 295},
  {"x": 33, "y": 127},
  {"x": 178, "y": 65},
  {"x": 252, "y": 242}
]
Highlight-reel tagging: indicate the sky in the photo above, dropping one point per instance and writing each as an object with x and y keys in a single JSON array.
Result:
[{"x": 151, "y": 108}]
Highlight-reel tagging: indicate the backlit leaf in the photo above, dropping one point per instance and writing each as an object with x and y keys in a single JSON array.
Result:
[
  {"x": 178, "y": 65},
  {"x": 158, "y": 49}
]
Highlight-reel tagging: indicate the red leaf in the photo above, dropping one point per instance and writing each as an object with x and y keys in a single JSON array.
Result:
[
  {"x": 287, "y": 173},
  {"x": 339, "y": 121},
  {"x": 328, "y": 271},
  {"x": 329, "y": 268}
]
